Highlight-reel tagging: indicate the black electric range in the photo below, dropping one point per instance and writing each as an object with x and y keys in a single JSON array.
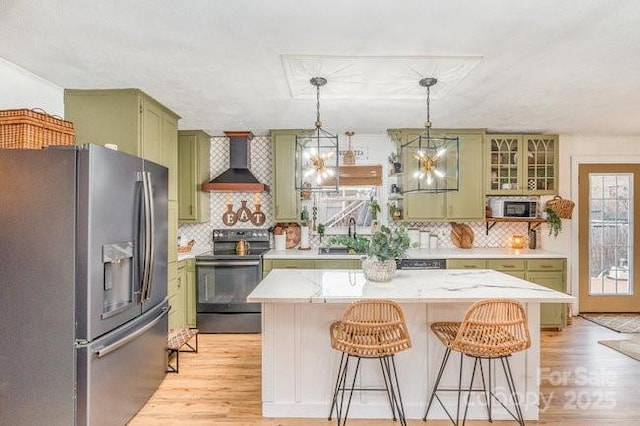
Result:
[{"x": 225, "y": 279}]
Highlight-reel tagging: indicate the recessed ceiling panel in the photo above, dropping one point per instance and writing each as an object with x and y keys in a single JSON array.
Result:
[{"x": 375, "y": 77}]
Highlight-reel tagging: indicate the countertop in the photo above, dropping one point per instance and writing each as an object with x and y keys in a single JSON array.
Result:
[
  {"x": 432, "y": 286},
  {"x": 472, "y": 253},
  {"x": 195, "y": 251}
]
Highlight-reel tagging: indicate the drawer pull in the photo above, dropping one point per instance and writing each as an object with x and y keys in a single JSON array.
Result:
[
  {"x": 508, "y": 266},
  {"x": 546, "y": 266}
]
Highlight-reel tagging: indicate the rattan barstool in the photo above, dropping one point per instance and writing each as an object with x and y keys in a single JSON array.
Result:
[
  {"x": 491, "y": 329},
  {"x": 373, "y": 328}
]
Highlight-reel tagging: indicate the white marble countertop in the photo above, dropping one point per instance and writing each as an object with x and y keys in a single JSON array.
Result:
[
  {"x": 195, "y": 251},
  {"x": 454, "y": 253},
  {"x": 432, "y": 286}
]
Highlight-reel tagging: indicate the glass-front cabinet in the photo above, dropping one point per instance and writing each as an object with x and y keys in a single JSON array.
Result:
[{"x": 522, "y": 164}]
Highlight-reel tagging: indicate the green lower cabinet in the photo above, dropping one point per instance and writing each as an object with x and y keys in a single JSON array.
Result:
[
  {"x": 513, "y": 267},
  {"x": 549, "y": 273},
  {"x": 552, "y": 315},
  {"x": 269, "y": 264},
  {"x": 466, "y": 264},
  {"x": 338, "y": 264},
  {"x": 176, "y": 292},
  {"x": 191, "y": 293}
]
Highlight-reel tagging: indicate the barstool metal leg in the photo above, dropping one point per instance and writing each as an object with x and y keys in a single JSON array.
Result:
[
  {"x": 477, "y": 361},
  {"x": 512, "y": 389},
  {"x": 339, "y": 381},
  {"x": 353, "y": 385},
  {"x": 399, "y": 403},
  {"x": 392, "y": 387},
  {"x": 490, "y": 392},
  {"x": 445, "y": 358},
  {"x": 342, "y": 389},
  {"x": 459, "y": 391},
  {"x": 386, "y": 375},
  {"x": 487, "y": 396}
]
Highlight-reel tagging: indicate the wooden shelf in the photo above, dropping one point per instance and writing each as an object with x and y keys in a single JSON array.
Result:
[{"x": 532, "y": 223}]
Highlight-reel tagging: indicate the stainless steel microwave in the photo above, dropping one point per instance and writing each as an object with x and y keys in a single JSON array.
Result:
[{"x": 513, "y": 208}]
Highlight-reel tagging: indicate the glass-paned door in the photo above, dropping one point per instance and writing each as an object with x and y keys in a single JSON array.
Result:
[
  {"x": 504, "y": 154},
  {"x": 541, "y": 164},
  {"x": 607, "y": 237}
]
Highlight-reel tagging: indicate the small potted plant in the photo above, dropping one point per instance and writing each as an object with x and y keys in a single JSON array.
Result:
[
  {"x": 374, "y": 207},
  {"x": 394, "y": 211},
  {"x": 321, "y": 230},
  {"x": 554, "y": 222},
  {"x": 394, "y": 161},
  {"x": 385, "y": 246}
]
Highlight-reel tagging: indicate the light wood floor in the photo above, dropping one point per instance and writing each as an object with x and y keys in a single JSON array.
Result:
[{"x": 582, "y": 383}]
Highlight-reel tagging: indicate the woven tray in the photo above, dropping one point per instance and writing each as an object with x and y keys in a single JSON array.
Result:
[{"x": 33, "y": 129}]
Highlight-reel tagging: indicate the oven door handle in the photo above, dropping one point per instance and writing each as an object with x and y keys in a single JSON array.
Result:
[{"x": 232, "y": 263}]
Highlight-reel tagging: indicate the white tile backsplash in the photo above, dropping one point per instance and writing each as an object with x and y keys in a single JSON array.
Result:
[{"x": 261, "y": 166}]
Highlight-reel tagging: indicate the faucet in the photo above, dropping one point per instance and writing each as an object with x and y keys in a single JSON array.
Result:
[{"x": 352, "y": 221}]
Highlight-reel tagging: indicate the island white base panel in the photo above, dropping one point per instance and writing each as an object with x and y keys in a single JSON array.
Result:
[{"x": 299, "y": 367}]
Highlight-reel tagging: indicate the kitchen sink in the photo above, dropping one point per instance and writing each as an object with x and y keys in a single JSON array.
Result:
[{"x": 338, "y": 250}]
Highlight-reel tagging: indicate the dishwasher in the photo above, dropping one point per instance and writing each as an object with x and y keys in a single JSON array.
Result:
[{"x": 421, "y": 264}]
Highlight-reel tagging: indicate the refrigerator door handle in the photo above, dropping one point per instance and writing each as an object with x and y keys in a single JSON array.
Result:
[
  {"x": 146, "y": 262},
  {"x": 152, "y": 235},
  {"x": 106, "y": 350}
]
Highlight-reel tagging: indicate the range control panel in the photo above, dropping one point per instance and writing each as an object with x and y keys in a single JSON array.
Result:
[{"x": 235, "y": 234}]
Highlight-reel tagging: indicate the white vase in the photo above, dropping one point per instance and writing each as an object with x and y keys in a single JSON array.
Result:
[
  {"x": 304, "y": 238},
  {"x": 378, "y": 271}
]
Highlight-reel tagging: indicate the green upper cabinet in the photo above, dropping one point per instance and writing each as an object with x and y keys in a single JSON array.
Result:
[
  {"x": 194, "y": 148},
  {"x": 522, "y": 164},
  {"x": 286, "y": 198},
  {"x": 465, "y": 204},
  {"x": 129, "y": 118}
]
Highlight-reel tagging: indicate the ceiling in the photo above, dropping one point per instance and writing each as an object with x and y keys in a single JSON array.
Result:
[{"x": 568, "y": 67}]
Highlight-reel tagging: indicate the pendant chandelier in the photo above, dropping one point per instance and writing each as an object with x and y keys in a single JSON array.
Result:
[
  {"x": 431, "y": 163},
  {"x": 317, "y": 154}
]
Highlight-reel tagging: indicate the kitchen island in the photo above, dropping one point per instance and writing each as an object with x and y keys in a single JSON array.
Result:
[{"x": 299, "y": 366}]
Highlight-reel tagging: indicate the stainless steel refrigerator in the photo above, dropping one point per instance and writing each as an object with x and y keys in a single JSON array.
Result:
[{"x": 83, "y": 285}]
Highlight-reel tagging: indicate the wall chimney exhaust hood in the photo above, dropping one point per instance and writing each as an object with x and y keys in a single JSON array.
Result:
[{"x": 238, "y": 177}]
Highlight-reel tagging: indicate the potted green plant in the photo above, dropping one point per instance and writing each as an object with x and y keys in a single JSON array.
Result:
[
  {"x": 352, "y": 245},
  {"x": 385, "y": 246},
  {"x": 321, "y": 230},
  {"x": 553, "y": 222},
  {"x": 374, "y": 207},
  {"x": 304, "y": 216}
]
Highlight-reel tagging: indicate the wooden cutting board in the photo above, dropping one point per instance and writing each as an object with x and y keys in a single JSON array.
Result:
[{"x": 461, "y": 235}]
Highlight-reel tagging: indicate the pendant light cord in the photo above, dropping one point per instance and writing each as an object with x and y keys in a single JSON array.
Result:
[
  {"x": 428, "y": 123},
  {"x": 318, "y": 122}
]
